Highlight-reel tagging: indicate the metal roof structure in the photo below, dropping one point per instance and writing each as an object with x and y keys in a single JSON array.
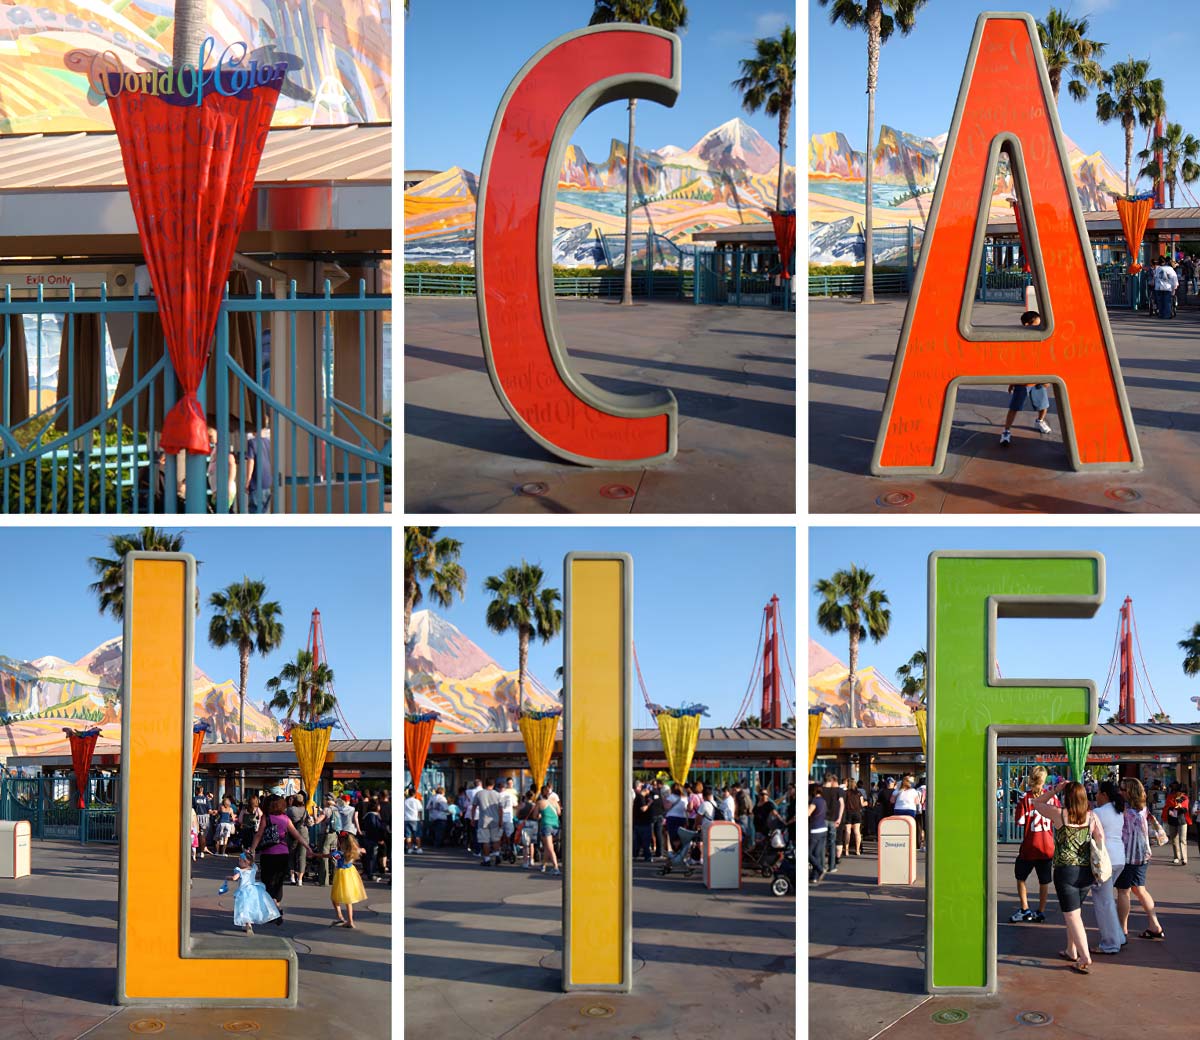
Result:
[
  {"x": 310, "y": 179},
  {"x": 1108, "y": 221},
  {"x": 758, "y": 231},
  {"x": 268, "y": 753},
  {"x": 1152, "y": 737},
  {"x": 747, "y": 742}
]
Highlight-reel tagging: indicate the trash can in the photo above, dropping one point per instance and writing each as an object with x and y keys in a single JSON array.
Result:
[
  {"x": 14, "y": 849},
  {"x": 722, "y": 841},
  {"x": 1031, "y": 299},
  {"x": 897, "y": 850}
]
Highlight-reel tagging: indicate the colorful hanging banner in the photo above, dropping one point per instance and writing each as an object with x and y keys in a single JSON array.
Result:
[
  {"x": 815, "y": 715},
  {"x": 310, "y": 742},
  {"x": 1135, "y": 215},
  {"x": 679, "y": 729},
  {"x": 418, "y": 732},
  {"x": 1077, "y": 752},
  {"x": 785, "y": 238},
  {"x": 1026, "y": 267},
  {"x": 538, "y": 729},
  {"x": 199, "y": 728},
  {"x": 191, "y": 144},
  {"x": 83, "y": 743},
  {"x": 919, "y": 717}
]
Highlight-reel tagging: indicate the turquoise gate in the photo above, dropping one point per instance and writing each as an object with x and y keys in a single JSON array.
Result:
[
  {"x": 45, "y": 802},
  {"x": 300, "y": 392}
]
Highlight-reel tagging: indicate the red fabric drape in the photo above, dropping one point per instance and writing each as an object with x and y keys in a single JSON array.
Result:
[
  {"x": 1135, "y": 215},
  {"x": 416, "y": 746},
  {"x": 197, "y": 742},
  {"x": 1025, "y": 265},
  {"x": 785, "y": 238},
  {"x": 190, "y": 170},
  {"x": 82, "y": 746}
]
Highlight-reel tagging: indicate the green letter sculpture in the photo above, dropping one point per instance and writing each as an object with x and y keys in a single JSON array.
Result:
[{"x": 969, "y": 706}]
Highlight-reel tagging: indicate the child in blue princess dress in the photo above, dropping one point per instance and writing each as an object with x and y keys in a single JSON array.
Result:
[{"x": 252, "y": 905}]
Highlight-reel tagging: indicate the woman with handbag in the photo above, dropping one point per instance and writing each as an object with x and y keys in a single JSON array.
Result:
[
  {"x": 1176, "y": 813},
  {"x": 1077, "y": 835},
  {"x": 1136, "y": 838},
  {"x": 1110, "y": 811}
]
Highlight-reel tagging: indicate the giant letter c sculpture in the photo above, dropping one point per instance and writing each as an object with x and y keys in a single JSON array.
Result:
[
  {"x": 514, "y": 264},
  {"x": 158, "y": 960},
  {"x": 969, "y": 707}
]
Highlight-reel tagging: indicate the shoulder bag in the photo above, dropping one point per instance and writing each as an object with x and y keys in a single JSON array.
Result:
[{"x": 1101, "y": 863}]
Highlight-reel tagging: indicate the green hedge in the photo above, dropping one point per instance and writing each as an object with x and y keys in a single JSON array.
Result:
[{"x": 818, "y": 269}]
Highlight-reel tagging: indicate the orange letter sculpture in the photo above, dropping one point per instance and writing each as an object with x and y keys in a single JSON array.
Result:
[
  {"x": 530, "y": 369},
  {"x": 158, "y": 960},
  {"x": 1005, "y": 106}
]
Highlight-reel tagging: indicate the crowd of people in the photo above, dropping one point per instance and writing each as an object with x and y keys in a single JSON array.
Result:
[
  {"x": 496, "y": 822},
  {"x": 1168, "y": 280}
]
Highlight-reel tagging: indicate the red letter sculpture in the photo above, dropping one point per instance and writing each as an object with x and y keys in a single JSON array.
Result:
[
  {"x": 1005, "y": 106},
  {"x": 514, "y": 265}
]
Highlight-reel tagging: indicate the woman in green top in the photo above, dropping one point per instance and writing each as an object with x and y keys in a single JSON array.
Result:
[
  {"x": 548, "y": 809},
  {"x": 1074, "y": 827}
]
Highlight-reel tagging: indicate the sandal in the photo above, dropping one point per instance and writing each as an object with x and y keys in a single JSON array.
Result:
[
  {"x": 1081, "y": 968},
  {"x": 1066, "y": 956},
  {"x": 1160, "y": 934}
]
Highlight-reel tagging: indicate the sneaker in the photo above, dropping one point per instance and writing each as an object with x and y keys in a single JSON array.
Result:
[
  {"x": 558, "y": 872},
  {"x": 485, "y": 862},
  {"x": 1006, "y": 438},
  {"x": 1041, "y": 424},
  {"x": 1176, "y": 861},
  {"x": 1037, "y": 917},
  {"x": 1021, "y": 915},
  {"x": 832, "y": 870},
  {"x": 419, "y": 852}
]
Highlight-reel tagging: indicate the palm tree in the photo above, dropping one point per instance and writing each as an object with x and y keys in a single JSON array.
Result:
[
  {"x": 874, "y": 17},
  {"x": 672, "y": 16},
  {"x": 433, "y": 560},
  {"x": 1179, "y": 151},
  {"x": 188, "y": 32},
  {"x": 912, "y": 674},
  {"x": 243, "y": 617},
  {"x": 850, "y": 605},
  {"x": 768, "y": 81},
  {"x": 520, "y": 602},
  {"x": 110, "y": 589},
  {"x": 301, "y": 690},
  {"x": 1130, "y": 97},
  {"x": 1066, "y": 48},
  {"x": 1191, "y": 649},
  {"x": 751, "y": 722}
]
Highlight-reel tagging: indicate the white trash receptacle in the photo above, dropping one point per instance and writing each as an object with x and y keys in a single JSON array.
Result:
[
  {"x": 14, "y": 849},
  {"x": 1031, "y": 301},
  {"x": 722, "y": 840},
  {"x": 897, "y": 850}
]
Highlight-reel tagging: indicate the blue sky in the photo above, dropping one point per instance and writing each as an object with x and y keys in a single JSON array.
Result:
[
  {"x": 345, "y": 573},
  {"x": 455, "y": 75},
  {"x": 698, "y": 598},
  {"x": 919, "y": 75},
  {"x": 1155, "y": 566}
]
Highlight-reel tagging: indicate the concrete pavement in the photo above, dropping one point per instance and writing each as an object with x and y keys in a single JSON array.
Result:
[
  {"x": 58, "y": 956},
  {"x": 866, "y": 964},
  {"x": 483, "y": 958},
  {"x": 732, "y": 370},
  {"x": 851, "y": 350}
]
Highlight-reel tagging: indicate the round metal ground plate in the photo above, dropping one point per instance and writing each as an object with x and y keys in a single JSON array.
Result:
[
  {"x": 147, "y": 1025},
  {"x": 596, "y": 1011},
  {"x": 949, "y": 1016},
  {"x": 617, "y": 491},
  {"x": 1122, "y": 494},
  {"x": 896, "y": 499},
  {"x": 1034, "y": 1018},
  {"x": 533, "y": 489},
  {"x": 241, "y": 1025}
]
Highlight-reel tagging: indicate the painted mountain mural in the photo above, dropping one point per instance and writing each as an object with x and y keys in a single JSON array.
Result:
[
  {"x": 727, "y": 177},
  {"x": 905, "y": 169},
  {"x": 879, "y": 702},
  {"x": 38, "y": 698},
  {"x": 446, "y": 672}
]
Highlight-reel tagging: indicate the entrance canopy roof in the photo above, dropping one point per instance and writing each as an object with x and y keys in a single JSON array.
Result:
[
  {"x": 358, "y": 753},
  {"x": 1108, "y": 222},
  {"x": 1149, "y": 736},
  {"x": 747, "y": 742},
  {"x": 311, "y": 179}
]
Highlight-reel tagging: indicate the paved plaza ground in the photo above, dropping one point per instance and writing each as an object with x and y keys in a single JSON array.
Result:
[
  {"x": 732, "y": 370},
  {"x": 866, "y": 964},
  {"x": 483, "y": 958},
  {"x": 851, "y": 351},
  {"x": 58, "y": 965}
]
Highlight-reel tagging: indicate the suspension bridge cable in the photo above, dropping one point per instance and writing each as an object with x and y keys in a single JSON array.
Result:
[
  {"x": 1138, "y": 642},
  {"x": 745, "y": 705}
]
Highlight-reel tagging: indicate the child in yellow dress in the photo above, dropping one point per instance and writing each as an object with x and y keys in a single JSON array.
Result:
[{"x": 347, "y": 885}]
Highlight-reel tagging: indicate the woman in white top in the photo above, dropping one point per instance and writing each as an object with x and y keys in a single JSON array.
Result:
[
  {"x": 908, "y": 800},
  {"x": 1110, "y": 811},
  {"x": 676, "y": 813}
]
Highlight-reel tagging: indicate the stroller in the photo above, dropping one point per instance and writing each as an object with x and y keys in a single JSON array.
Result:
[
  {"x": 765, "y": 854},
  {"x": 683, "y": 858},
  {"x": 783, "y": 881}
]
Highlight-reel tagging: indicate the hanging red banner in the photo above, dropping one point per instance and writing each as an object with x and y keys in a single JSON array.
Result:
[
  {"x": 199, "y": 729},
  {"x": 416, "y": 746},
  {"x": 83, "y": 743},
  {"x": 785, "y": 238},
  {"x": 1135, "y": 215},
  {"x": 191, "y": 151},
  {"x": 1025, "y": 265}
]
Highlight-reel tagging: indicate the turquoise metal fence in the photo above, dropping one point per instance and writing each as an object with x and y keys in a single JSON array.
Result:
[
  {"x": 672, "y": 284},
  {"x": 311, "y": 433},
  {"x": 734, "y": 278},
  {"x": 45, "y": 802},
  {"x": 852, "y": 284}
]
